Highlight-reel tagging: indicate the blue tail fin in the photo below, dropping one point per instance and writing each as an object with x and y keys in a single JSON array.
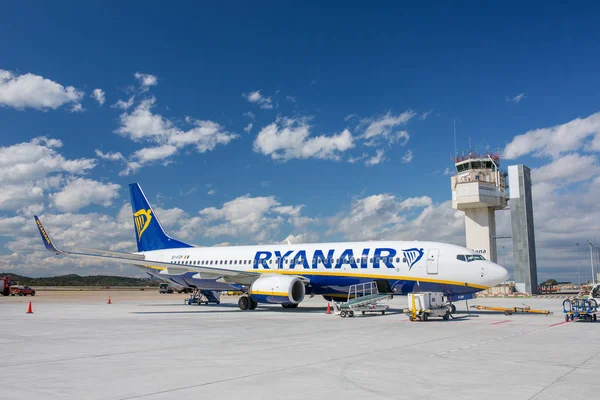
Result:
[{"x": 148, "y": 231}]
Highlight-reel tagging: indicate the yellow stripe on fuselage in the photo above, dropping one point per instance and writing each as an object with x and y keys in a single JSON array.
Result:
[
  {"x": 390, "y": 277},
  {"x": 326, "y": 273}
]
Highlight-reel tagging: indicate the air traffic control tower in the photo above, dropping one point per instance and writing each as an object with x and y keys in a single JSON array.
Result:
[{"x": 479, "y": 189}]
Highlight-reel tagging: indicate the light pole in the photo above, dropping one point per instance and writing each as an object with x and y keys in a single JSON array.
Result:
[
  {"x": 592, "y": 261},
  {"x": 578, "y": 273}
]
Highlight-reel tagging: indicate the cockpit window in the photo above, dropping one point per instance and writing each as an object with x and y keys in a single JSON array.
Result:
[{"x": 470, "y": 257}]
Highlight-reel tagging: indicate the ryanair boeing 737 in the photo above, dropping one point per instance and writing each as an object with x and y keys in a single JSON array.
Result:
[{"x": 285, "y": 274}]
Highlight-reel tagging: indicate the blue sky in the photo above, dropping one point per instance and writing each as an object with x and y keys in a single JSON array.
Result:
[{"x": 381, "y": 83}]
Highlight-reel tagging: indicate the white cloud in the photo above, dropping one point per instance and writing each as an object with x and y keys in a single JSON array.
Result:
[
  {"x": 376, "y": 159},
  {"x": 515, "y": 99},
  {"x": 424, "y": 115},
  {"x": 154, "y": 153},
  {"x": 289, "y": 138},
  {"x": 255, "y": 219},
  {"x": 81, "y": 192},
  {"x": 77, "y": 108},
  {"x": 256, "y": 97},
  {"x": 568, "y": 169},
  {"x": 380, "y": 216},
  {"x": 293, "y": 211},
  {"x": 558, "y": 139},
  {"x": 291, "y": 99},
  {"x": 14, "y": 197},
  {"x": 142, "y": 124},
  {"x": 212, "y": 192},
  {"x": 382, "y": 128},
  {"x": 124, "y": 105},
  {"x": 98, "y": 94},
  {"x": 250, "y": 115},
  {"x": 146, "y": 80},
  {"x": 37, "y": 159},
  {"x": 248, "y": 128},
  {"x": 408, "y": 157},
  {"x": 34, "y": 91},
  {"x": 449, "y": 171},
  {"x": 109, "y": 156}
]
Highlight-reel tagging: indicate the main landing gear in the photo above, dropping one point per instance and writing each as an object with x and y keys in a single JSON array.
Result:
[{"x": 247, "y": 303}]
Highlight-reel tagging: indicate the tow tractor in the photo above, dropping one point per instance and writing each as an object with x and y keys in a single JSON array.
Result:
[
  {"x": 363, "y": 298},
  {"x": 424, "y": 305},
  {"x": 584, "y": 309}
]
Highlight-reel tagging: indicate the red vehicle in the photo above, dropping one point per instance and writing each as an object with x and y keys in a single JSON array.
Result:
[
  {"x": 21, "y": 290},
  {"x": 5, "y": 284}
]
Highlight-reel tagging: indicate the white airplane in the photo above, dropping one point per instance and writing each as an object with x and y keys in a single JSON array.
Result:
[{"x": 285, "y": 274}]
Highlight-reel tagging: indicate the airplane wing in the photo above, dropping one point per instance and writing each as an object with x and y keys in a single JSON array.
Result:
[{"x": 226, "y": 275}]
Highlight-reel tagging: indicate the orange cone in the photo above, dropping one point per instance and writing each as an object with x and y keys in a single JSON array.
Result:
[
  {"x": 109, "y": 300},
  {"x": 29, "y": 310},
  {"x": 328, "y": 308}
]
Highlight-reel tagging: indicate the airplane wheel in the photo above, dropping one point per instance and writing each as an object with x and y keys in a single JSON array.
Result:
[
  {"x": 243, "y": 303},
  {"x": 452, "y": 308},
  {"x": 253, "y": 304}
]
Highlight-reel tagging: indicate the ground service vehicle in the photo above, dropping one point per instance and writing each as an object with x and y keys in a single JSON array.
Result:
[
  {"x": 5, "y": 284},
  {"x": 165, "y": 288},
  {"x": 21, "y": 290}
]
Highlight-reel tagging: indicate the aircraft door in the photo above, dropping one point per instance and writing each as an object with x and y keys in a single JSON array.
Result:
[{"x": 432, "y": 261}]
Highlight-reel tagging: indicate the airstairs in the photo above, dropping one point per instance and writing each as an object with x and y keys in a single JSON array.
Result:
[
  {"x": 200, "y": 296},
  {"x": 364, "y": 298}
]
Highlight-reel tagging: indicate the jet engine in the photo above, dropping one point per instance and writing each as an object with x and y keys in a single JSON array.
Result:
[{"x": 278, "y": 289}]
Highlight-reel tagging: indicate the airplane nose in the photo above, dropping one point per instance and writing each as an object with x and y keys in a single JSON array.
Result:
[{"x": 496, "y": 274}]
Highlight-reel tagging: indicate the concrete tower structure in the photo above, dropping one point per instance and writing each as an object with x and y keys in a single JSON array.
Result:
[
  {"x": 523, "y": 232},
  {"x": 479, "y": 189}
]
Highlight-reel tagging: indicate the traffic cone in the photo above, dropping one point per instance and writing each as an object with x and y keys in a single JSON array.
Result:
[
  {"x": 328, "y": 308},
  {"x": 109, "y": 300},
  {"x": 29, "y": 310}
]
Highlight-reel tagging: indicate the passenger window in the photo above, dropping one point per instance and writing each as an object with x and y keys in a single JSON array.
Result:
[
  {"x": 397, "y": 259},
  {"x": 371, "y": 260}
]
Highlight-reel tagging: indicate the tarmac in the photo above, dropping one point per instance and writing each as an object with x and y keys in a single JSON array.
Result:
[{"x": 150, "y": 346}]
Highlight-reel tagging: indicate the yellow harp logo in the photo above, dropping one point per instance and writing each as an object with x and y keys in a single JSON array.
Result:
[{"x": 142, "y": 219}]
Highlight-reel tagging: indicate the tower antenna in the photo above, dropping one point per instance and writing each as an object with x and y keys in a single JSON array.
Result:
[{"x": 455, "y": 151}]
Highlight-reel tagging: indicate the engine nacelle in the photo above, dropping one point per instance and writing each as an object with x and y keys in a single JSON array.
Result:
[{"x": 278, "y": 289}]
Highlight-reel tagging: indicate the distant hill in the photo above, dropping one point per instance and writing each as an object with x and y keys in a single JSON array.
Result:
[{"x": 76, "y": 280}]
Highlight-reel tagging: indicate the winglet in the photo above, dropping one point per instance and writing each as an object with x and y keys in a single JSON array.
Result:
[{"x": 45, "y": 237}]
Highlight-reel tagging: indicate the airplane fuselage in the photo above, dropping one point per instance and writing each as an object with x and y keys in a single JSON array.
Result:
[{"x": 332, "y": 267}]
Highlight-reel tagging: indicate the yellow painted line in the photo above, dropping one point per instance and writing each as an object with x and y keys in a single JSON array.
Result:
[
  {"x": 283, "y": 294},
  {"x": 392, "y": 277}
]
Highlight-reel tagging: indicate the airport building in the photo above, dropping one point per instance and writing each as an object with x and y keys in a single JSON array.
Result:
[{"x": 479, "y": 189}]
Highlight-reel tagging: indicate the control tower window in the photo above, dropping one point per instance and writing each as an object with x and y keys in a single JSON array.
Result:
[{"x": 476, "y": 165}]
